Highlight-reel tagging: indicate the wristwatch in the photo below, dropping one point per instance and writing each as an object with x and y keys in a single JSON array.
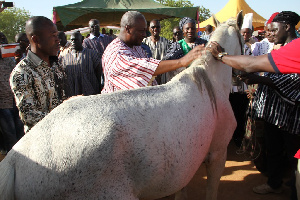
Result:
[{"x": 220, "y": 55}]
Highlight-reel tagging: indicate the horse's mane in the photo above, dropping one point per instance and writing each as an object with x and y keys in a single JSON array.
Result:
[{"x": 199, "y": 74}]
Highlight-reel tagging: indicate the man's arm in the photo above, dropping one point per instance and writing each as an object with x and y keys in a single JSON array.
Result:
[
  {"x": 249, "y": 63},
  {"x": 171, "y": 65},
  {"x": 243, "y": 62}
]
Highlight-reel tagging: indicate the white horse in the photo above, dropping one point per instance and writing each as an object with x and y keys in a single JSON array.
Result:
[{"x": 128, "y": 145}]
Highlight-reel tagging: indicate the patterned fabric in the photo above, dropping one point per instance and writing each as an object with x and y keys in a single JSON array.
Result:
[
  {"x": 159, "y": 48},
  {"x": 6, "y": 95},
  {"x": 37, "y": 87},
  {"x": 97, "y": 43},
  {"x": 186, "y": 20},
  {"x": 281, "y": 106},
  {"x": 158, "y": 51},
  {"x": 83, "y": 70},
  {"x": 175, "y": 52},
  {"x": 261, "y": 48},
  {"x": 126, "y": 68}
]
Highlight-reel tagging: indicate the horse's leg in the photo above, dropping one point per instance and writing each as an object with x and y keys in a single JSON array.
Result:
[
  {"x": 215, "y": 164},
  {"x": 216, "y": 158}
]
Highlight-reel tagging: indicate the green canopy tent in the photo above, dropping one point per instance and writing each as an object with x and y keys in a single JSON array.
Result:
[{"x": 109, "y": 12}]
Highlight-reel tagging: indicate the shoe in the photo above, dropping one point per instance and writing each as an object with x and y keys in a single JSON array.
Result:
[{"x": 266, "y": 189}]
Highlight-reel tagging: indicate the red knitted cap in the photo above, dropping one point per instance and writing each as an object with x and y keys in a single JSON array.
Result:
[{"x": 272, "y": 17}]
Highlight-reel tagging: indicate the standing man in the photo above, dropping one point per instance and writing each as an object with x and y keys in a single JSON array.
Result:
[
  {"x": 38, "y": 81},
  {"x": 82, "y": 67},
  {"x": 158, "y": 45},
  {"x": 63, "y": 43},
  {"x": 96, "y": 41},
  {"x": 279, "y": 104},
  {"x": 10, "y": 123},
  {"x": 246, "y": 32},
  {"x": 208, "y": 32},
  {"x": 125, "y": 63},
  {"x": 177, "y": 34},
  {"x": 238, "y": 96},
  {"x": 22, "y": 39}
]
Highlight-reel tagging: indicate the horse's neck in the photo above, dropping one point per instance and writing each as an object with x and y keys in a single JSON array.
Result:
[{"x": 220, "y": 74}]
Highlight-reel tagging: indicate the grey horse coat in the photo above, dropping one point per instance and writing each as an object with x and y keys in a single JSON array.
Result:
[{"x": 143, "y": 143}]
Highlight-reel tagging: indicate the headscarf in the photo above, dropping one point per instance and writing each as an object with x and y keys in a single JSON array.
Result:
[
  {"x": 186, "y": 20},
  {"x": 287, "y": 17}
]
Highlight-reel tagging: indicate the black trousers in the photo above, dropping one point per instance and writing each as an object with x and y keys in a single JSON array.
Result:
[
  {"x": 281, "y": 147},
  {"x": 239, "y": 103}
]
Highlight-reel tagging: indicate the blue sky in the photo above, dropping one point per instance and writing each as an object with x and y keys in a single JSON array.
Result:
[{"x": 263, "y": 7}]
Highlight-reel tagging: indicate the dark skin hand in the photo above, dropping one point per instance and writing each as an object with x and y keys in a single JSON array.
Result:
[
  {"x": 252, "y": 78},
  {"x": 242, "y": 62}
]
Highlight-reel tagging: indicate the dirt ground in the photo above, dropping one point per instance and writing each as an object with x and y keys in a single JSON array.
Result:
[{"x": 239, "y": 177}]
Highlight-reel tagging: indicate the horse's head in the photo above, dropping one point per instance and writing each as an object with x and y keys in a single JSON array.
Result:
[{"x": 228, "y": 35}]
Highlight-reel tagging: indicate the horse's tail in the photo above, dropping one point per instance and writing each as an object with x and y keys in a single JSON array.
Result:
[{"x": 7, "y": 179}]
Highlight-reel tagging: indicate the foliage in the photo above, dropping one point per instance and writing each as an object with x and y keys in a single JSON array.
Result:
[
  {"x": 204, "y": 14},
  {"x": 167, "y": 25},
  {"x": 12, "y": 21}
]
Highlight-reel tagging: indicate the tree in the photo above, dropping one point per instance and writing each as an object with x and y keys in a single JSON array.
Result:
[
  {"x": 167, "y": 25},
  {"x": 204, "y": 14},
  {"x": 12, "y": 21}
]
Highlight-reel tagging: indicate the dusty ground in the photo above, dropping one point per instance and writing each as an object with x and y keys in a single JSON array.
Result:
[{"x": 239, "y": 176}]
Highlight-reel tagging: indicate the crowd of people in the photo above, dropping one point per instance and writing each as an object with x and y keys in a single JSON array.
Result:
[{"x": 48, "y": 69}]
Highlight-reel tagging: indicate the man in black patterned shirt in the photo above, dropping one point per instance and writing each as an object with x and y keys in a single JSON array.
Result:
[{"x": 37, "y": 81}]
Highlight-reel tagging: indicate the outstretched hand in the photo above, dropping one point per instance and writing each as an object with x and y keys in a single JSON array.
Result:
[
  {"x": 214, "y": 48},
  {"x": 195, "y": 53}
]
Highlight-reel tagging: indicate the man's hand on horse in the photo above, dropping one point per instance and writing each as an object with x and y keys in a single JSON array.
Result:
[
  {"x": 215, "y": 49},
  {"x": 195, "y": 53}
]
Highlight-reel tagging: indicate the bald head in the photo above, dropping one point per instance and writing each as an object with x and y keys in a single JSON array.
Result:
[
  {"x": 133, "y": 28},
  {"x": 43, "y": 37},
  {"x": 35, "y": 25},
  {"x": 94, "y": 26}
]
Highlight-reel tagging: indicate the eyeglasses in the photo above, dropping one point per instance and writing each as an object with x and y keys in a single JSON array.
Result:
[
  {"x": 177, "y": 33},
  {"x": 153, "y": 27}
]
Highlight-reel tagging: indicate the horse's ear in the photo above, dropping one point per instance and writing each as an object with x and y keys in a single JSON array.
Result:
[
  {"x": 239, "y": 19},
  {"x": 216, "y": 22}
]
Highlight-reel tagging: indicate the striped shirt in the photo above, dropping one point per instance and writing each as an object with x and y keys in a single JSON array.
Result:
[
  {"x": 97, "y": 43},
  {"x": 281, "y": 106},
  {"x": 83, "y": 70},
  {"x": 126, "y": 68},
  {"x": 6, "y": 95}
]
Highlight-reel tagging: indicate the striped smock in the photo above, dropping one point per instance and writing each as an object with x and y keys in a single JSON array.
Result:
[
  {"x": 126, "y": 68},
  {"x": 281, "y": 106}
]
